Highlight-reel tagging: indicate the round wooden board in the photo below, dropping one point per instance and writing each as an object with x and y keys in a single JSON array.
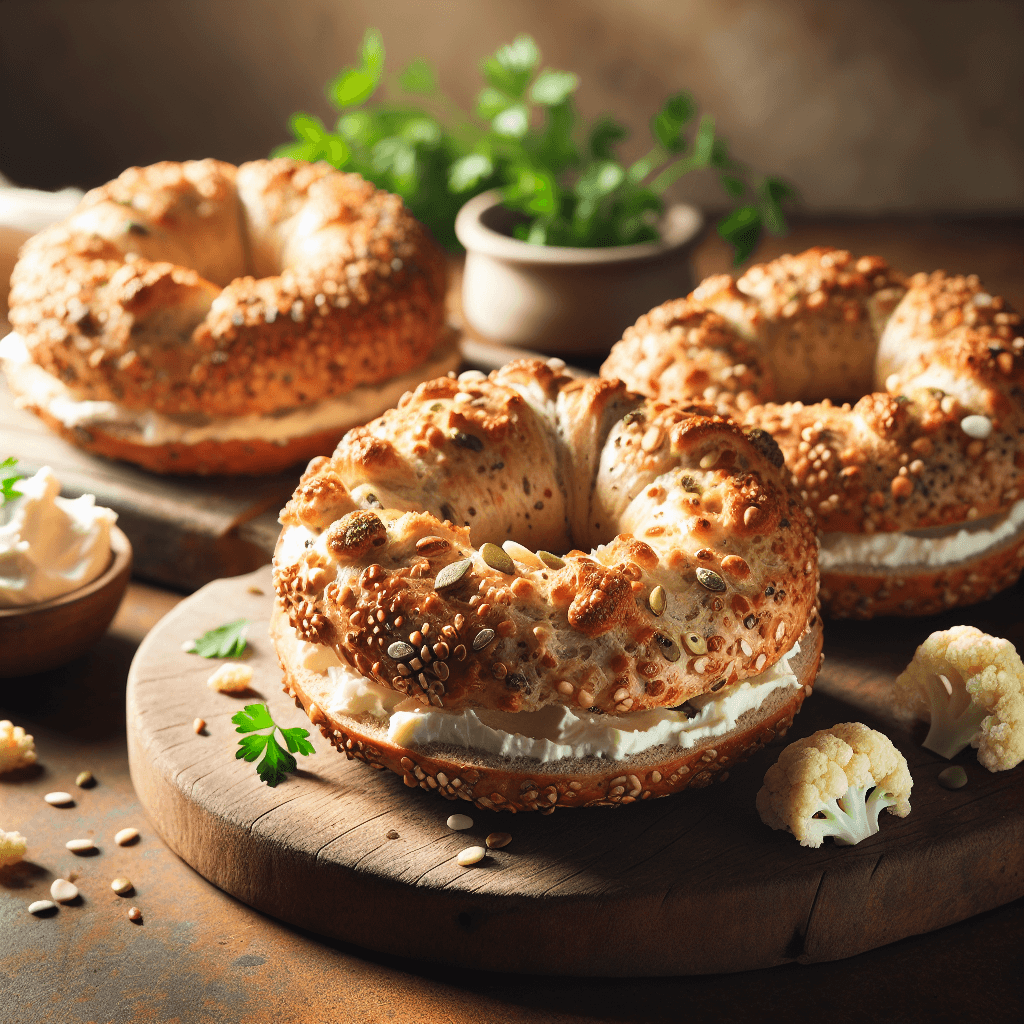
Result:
[{"x": 694, "y": 883}]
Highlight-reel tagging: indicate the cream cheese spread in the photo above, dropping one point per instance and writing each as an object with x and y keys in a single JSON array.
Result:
[
  {"x": 143, "y": 426},
  {"x": 49, "y": 545},
  {"x": 554, "y": 732},
  {"x": 942, "y": 546}
]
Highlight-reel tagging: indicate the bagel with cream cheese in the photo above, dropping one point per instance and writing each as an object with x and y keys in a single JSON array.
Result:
[
  {"x": 200, "y": 318},
  {"x": 529, "y": 591},
  {"x": 913, "y": 463}
]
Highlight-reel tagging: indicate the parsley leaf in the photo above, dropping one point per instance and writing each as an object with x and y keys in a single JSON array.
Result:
[
  {"x": 525, "y": 136},
  {"x": 227, "y": 641},
  {"x": 8, "y": 478},
  {"x": 277, "y": 762}
]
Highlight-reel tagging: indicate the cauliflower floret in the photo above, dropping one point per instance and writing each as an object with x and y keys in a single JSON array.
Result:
[
  {"x": 17, "y": 748},
  {"x": 819, "y": 786},
  {"x": 970, "y": 687},
  {"x": 12, "y": 847}
]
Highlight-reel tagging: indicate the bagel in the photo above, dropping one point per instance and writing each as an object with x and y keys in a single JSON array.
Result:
[
  {"x": 913, "y": 463},
  {"x": 632, "y": 636},
  {"x": 197, "y": 317}
]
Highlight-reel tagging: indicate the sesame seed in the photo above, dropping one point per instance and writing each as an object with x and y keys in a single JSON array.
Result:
[
  {"x": 58, "y": 798},
  {"x": 471, "y": 855},
  {"x": 460, "y": 822},
  {"x": 126, "y": 836}
]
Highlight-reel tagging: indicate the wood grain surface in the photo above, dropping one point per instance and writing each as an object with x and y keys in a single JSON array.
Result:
[{"x": 686, "y": 885}]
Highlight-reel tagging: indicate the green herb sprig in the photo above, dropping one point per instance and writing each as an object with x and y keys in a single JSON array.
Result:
[
  {"x": 525, "y": 137},
  {"x": 8, "y": 478},
  {"x": 227, "y": 641},
  {"x": 277, "y": 762}
]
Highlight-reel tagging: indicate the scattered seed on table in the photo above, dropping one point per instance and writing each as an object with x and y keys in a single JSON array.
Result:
[
  {"x": 254, "y": 589},
  {"x": 496, "y": 840},
  {"x": 134, "y": 914},
  {"x": 84, "y": 780},
  {"x": 41, "y": 906},
  {"x": 80, "y": 845},
  {"x": 59, "y": 799},
  {"x": 953, "y": 777},
  {"x": 460, "y": 822},
  {"x": 122, "y": 886},
  {"x": 471, "y": 855},
  {"x": 392, "y": 834},
  {"x": 126, "y": 836},
  {"x": 198, "y": 725},
  {"x": 62, "y": 890}
]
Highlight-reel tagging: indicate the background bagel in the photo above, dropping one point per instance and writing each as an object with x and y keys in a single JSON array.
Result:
[
  {"x": 935, "y": 443},
  {"x": 202, "y": 294},
  {"x": 673, "y": 559}
]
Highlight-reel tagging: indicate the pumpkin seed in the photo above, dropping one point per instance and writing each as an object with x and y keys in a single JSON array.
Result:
[
  {"x": 451, "y": 574},
  {"x": 498, "y": 559},
  {"x": 521, "y": 554},
  {"x": 656, "y": 601},
  {"x": 550, "y": 560},
  {"x": 482, "y": 639},
  {"x": 710, "y": 580}
]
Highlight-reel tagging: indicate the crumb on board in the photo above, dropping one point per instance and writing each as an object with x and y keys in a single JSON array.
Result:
[{"x": 230, "y": 679}]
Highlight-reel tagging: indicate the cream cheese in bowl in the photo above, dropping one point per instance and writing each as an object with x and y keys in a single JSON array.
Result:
[{"x": 49, "y": 545}]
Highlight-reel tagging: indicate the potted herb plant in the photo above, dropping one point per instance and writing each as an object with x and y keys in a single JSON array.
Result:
[{"x": 565, "y": 245}]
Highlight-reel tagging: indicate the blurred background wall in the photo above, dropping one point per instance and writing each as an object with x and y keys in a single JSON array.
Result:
[{"x": 869, "y": 106}]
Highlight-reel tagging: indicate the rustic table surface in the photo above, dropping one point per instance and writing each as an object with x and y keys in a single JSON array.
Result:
[{"x": 199, "y": 955}]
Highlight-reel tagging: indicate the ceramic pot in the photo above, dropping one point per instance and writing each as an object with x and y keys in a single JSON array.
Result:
[{"x": 563, "y": 300}]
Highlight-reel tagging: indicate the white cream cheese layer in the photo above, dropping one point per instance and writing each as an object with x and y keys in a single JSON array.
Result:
[
  {"x": 143, "y": 426},
  {"x": 554, "y": 732},
  {"x": 842, "y": 552},
  {"x": 50, "y": 546}
]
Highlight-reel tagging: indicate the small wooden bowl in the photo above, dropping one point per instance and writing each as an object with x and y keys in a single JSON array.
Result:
[{"x": 38, "y": 637}]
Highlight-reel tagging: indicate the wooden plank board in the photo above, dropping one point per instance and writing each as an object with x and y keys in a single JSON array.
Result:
[{"x": 691, "y": 884}]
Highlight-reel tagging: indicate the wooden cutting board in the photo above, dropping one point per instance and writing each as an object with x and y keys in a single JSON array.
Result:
[{"x": 693, "y": 883}]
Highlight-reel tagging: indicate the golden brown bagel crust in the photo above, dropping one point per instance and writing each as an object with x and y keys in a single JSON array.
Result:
[
  {"x": 252, "y": 457},
  {"x": 640, "y": 495},
  {"x": 146, "y": 295},
  {"x": 500, "y": 784},
  {"x": 899, "y": 459}
]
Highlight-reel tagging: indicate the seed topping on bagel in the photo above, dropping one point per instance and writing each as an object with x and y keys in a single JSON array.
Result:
[{"x": 590, "y": 548}]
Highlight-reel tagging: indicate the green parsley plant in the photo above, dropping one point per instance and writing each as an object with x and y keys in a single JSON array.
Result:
[
  {"x": 277, "y": 762},
  {"x": 227, "y": 641},
  {"x": 8, "y": 478},
  {"x": 525, "y": 137}
]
